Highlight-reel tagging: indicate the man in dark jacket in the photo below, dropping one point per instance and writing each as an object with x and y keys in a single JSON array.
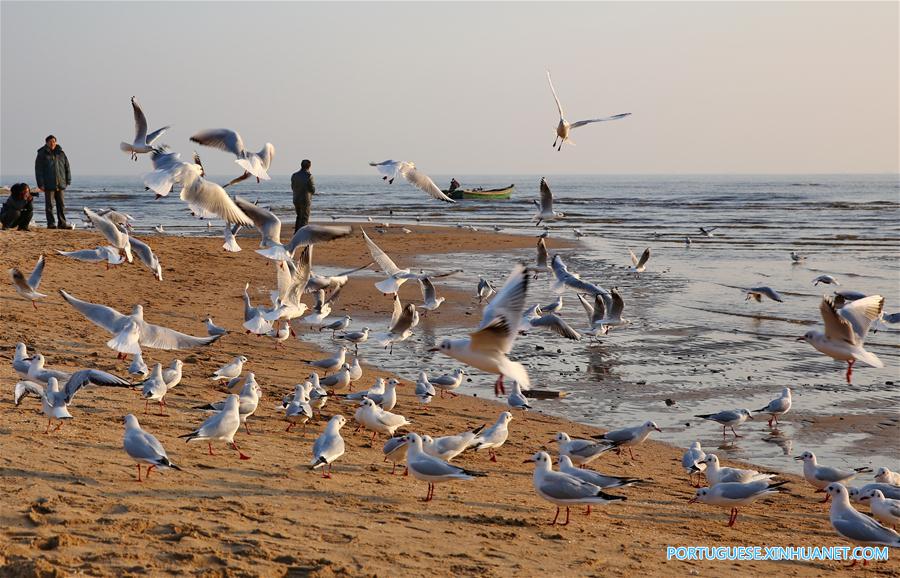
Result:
[
  {"x": 304, "y": 188},
  {"x": 51, "y": 170},
  {"x": 17, "y": 209}
]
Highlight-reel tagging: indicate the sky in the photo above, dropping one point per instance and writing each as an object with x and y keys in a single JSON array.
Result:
[{"x": 460, "y": 87}]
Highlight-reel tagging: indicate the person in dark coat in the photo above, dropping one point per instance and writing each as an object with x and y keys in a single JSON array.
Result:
[
  {"x": 18, "y": 208},
  {"x": 51, "y": 170},
  {"x": 304, "y": 187}
]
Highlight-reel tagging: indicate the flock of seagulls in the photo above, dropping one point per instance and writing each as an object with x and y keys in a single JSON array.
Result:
[{"x": 487, "y": 347}]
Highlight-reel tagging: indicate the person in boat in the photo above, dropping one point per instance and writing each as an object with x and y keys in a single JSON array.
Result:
[{"x": 454, "y": 184}]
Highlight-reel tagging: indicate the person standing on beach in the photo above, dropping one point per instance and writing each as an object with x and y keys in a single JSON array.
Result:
[
  {"x": 304, "y": 188},
  {"x": 51, "y": 170}
]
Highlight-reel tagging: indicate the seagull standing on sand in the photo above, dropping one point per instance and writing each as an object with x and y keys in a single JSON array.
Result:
[
  {"x": 779, "y": 406},
  {"x": 487, "y": 348},
  {"x": 885, "y": 510},
  {"x": 143, "y": 142},
  {"x": 886, "y": 476},
  {"x": 431, "y": 469},
  {"x": 628, "y": 437},
  {"x": 329, "y": 446},
  {"x": 332, "y": 363},
  {"x": 155, "y": 389},
  {"x": 821, "y": 476},
  {"x": 564, "y": 127},
  {"x": 220, "y": 427},
  {"x": 450, "y": 382},
  {"x": 580, "y": 452},
  {"x": 545, "y": 206},
  {"x": 377, "y": 420},
  {"x": 212, "y": 328},
  {"x": 256, "y": 164},
  {"x": 846, "y": 329},
  {"x": 562, "y": 489},
  {"x": 717, "y": 474},
  {"x": 734, "y": 494},
  {"x": 28, "y": 288},
  {"x": 143, "y": 447},
  {"x": 517, "y": 399},
  {"x": 138, "y": 367},
  {"x": 230, "y": 370},
  {"x": 495, "y": 436},
  {"x": 448, "y": 447},
  {"x": 858, "y": 528},
  {"x": 692, "y": 462}
]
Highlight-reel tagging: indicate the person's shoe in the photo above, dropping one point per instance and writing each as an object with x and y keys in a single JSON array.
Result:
[
  {"x": 63, "y": 225},
  {"x": 51, "y": 226},
  {"x": 22, "y": 228}
]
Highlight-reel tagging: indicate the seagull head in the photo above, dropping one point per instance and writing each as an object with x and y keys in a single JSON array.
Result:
[
  {"x": 131, "y": 422},
  {"x": 806, "y": 457},
  {"x": 700, "y": 496},
  {"x": 560, "y": 437},
  {"x": 650, "y": 425},
  {"x": 807, "y": 337},
  {"x": 711, "y": 459},
  {"x": 542, "y": 459}
]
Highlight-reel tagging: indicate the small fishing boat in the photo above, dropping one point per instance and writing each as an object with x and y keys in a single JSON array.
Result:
[{"x": 481, "y": 194}]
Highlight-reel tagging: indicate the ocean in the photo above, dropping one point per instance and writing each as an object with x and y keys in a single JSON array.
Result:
[{"x": 693, "y": 338}]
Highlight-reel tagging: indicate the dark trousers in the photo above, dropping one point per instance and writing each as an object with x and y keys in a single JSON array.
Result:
[
  {"x": 302, "y": 208},
  {"x": 51, "y": 196},
  {"x": 19, "y": 218}
]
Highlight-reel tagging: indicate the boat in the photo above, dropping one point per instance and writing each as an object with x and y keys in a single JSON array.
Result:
[{"x": 481, "y": 194}]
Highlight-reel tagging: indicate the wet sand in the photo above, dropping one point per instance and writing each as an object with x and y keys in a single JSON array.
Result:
[{"x": 70, "y": 503}]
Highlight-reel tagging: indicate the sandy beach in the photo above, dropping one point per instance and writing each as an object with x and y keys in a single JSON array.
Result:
[{"x": 70, "y": 505}]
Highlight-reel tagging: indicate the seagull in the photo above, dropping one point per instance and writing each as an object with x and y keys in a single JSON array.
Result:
[
  {"x": 206, "y": 199},
  {"x": 639, "y": 265},
  {"x": 729, "y": 418},
  {"x": 159, "y": 228},
  {"x": 168, "y": 169},
  {"x": 563, "y": 279},
  {"x": 563, "y": 128},
  {"x": 256, "y": 164},
  {"x": 395, "y": 452},
  {"x": 424, "y": 389},
  {"x": 826, "y": 279},
  {"x": 143, "y": 142},
  {"x": 107, "y": 254},
  {"x": 231, "y": 244},
  {"x": 120, "y": 219},
  {"x": 22, "y": 362},
  {"x": 628, "y": 437},
  {"x": 692, "y": 462},
  {"x": 517, "y": 399},
  {"x": 734, "y": 494},
  {"x": 535, "y": 318},
  {"x": 450, "y": 382},
  {"x": 56, "y": 398},
  {"x": 448, "y": 447},
  {"x": 143, "y": 447},
  {"x": 130, "y": 332},
  {"x": 118, "y": 239},
  {"x": 395, "y": 275},
  {"x": 265, "y": 221},
  {"x": 401, "y": 329},
  {"x": 138, "y": 367},
  {"x": 154, "y": 389},
  {"x": 797, "y": 257},
  {"x": 269, "y": 227},
  {"x": 390, "y": 169},
  {"x": 36, "y": 371},
  {"x": 562, "y": 489},
  {"x": 605, "y": 313},
  {"x": 779, "y": 406},
  {"x": 387, "y": 400},
  {"x": 859, "y": 494},
  {"x": 487, "y": 348},
  {"x": 431, "y": 469},
  {"x": 708, "y": 233},
  {"x": 763, "y": 291},
  {"x": 339, "y": 325},
  {"x": 580, "y": 452},
  {"x": 146, "y": 256},
  {"x": 578, "y": 234},
  {"x": 247, "y": 404},
  {"x": 298, "y": 410},
  {"x": 886, "y": 476},
  {"x": 28, "y": 288},
  {"x": 545, "y": 212},
  {"x": 254, "y": 317},
  {"x": 376, "y": 389},
  {"x": 377, "y": 420},
  {"x": 339, "y": 379},
  {"x": 332, "y": 363},
  {"x": 601, "y": 481},
  {"x": 858, "y": 528},
  {"x": 495, "y": 436},
  {"x": 430, "y": 300},
  {"x": 688, "y": 242},
  {"x": 484, "y": 290},
  {"x": 885, "y": 510},
  {"x": 329, "y": 446},
  {"x": 821, "y": 476},
  {"x": 356, "y": 337},
  {"x": 717, "y": 474},
  {"x": 231, "y": 369},
  {"x": 220, "y": 426},
  {"x": 542, "y": 256},
  {"x": 212, "y": 328},
  {"x": 846, "y": 329}
]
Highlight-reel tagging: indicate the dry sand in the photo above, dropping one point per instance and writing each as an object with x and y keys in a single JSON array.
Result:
[{"x": 69, "y": 502}]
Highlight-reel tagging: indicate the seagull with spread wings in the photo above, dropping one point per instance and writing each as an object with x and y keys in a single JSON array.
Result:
[
  {"x": 131, "y": 332},
  {"x": 143, "y": 142},
  {"x": 390, "y": 169},
  {"x": 255, "y": 164},
  {"x": 564, "y": 127},
  {"x": 28, "y": 288}
]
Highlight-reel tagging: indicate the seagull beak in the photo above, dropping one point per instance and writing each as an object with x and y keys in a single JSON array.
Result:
[
  {"x": 660, "y": 431},
  {"x": 798, "y": 458},
  {"x": 529, "y": 460},
  {"x": 434, "y": 349},
  {"x": 801, "y": 339}
]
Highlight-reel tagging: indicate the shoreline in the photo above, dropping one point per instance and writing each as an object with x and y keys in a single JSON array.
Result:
[{"x": 269, "y": 515}]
